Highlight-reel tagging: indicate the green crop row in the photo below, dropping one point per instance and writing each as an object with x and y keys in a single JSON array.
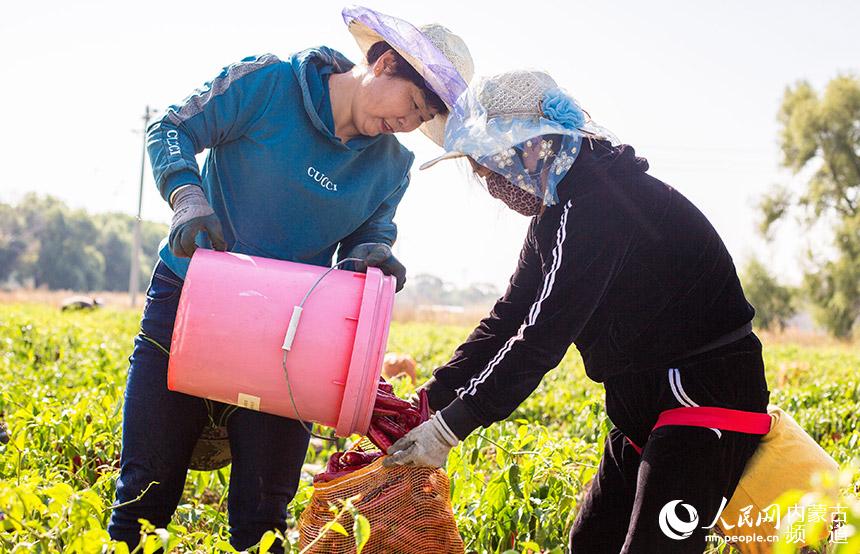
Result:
[{"x": 514, "y": 486}]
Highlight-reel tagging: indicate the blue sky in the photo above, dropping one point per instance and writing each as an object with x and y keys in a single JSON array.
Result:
[{"x": 695, "y": 87}]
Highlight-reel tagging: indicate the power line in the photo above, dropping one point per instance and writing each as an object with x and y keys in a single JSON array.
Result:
[{"x": 134, "y": 272}]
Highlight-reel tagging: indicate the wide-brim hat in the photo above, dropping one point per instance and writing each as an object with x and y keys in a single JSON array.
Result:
[
  {"x": 501, "y": 111},
  {"x": 515, "y": 94},
  {"x": 521, "y": 126},
  {"x": 438, "y": 55}
]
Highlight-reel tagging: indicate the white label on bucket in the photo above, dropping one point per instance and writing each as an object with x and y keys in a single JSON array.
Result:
[{"x": 249, "y": 401}]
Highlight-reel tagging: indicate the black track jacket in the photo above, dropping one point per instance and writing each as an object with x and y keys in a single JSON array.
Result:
[{"x": 624, "y": 267}]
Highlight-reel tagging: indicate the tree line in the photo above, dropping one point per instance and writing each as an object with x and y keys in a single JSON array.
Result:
[
  {"x": 426, "y": 289},
  {"x": 44, "y": 243},
  {"x": 820, "y": 141}
]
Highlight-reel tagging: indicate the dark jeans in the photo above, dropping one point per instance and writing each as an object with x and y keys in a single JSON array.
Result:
[
  {"x": 698, "y": 466},
  {"x": 161, "y": 427}
]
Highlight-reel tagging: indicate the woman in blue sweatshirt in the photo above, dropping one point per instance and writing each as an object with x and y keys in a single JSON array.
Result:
[{"x": 302, "y": 164}]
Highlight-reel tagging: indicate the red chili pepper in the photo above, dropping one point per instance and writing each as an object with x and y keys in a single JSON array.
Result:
[
  {"x": 390, "y": 427},
  {"x": 351, "y": 458},
  {"x": 334, "y": 463},
  {"x": 423, "y": 405},
  {"x": 386, "y": 400},
  {"x": 357, "y": 467},
  {"x": 354, "y": 458},
  {"x": 344, "y": 463},
  {"x": 379, "y": 411},
  {"x": 373, "y": 456},
  {"x": 411, "y": 419},
  {"x": 378, "y": 438},
  {"x": 330, "y": 476}
]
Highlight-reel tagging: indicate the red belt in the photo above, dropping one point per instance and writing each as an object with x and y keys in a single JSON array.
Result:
[{"x": 753, "y": 423}]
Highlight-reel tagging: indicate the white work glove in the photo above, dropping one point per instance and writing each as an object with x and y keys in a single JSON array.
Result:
[{"x": 425, "y": 446}]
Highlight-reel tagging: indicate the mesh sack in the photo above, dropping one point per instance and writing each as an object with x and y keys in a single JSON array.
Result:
[{"x": 408, "y": 509}]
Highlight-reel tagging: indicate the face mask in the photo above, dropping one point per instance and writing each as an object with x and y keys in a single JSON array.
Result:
[{"x": 517, "y": 199}]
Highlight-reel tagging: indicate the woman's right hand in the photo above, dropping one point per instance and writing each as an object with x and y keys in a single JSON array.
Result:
[{"x": 191, "y": 215}]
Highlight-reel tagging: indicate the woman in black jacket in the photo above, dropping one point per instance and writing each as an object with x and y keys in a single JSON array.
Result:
[{"x": 628, "y": 270}]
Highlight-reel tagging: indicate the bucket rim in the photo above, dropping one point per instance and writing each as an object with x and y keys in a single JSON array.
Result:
[{"x": 365, "y": 365}]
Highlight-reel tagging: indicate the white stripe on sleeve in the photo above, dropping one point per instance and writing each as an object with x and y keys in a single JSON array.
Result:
[{"x": 534, "y": 312}]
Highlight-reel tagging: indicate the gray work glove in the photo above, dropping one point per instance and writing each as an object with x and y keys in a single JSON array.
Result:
[
  {"x": 191, "y": 215},
  {"x": 376, "y": 254},
  {"x": 425, "y": 446}
]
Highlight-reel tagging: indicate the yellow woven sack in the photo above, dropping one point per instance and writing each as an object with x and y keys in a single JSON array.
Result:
[
  {"x": 786, "y": 459},
  {"x": 408, "y": 509}
]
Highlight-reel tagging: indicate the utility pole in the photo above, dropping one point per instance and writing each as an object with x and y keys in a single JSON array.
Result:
[{"x": 134, "y": 273}]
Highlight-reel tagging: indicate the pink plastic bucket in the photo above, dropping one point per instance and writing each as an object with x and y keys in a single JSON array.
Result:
[{"x": 233, "y": 315}]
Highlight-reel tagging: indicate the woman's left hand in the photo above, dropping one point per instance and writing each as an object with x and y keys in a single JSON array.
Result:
[{"x": 377, "y": 254}]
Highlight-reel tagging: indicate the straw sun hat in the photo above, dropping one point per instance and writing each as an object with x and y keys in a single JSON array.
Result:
[
  {"x": 522, "y": 126},
  {"x": 439, "y": 56},
  {"x": 529, "y": 102}
]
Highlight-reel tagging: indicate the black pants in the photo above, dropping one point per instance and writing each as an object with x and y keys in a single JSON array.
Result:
[{"x": 699, "y": 467}]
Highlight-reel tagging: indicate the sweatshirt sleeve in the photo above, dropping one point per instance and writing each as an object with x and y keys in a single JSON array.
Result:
[
  {"x": 493, "y": 331},
  {"x": 380, "y": 227},
  {"x": 221, "y": 111},
  {"x": 589, "y": 248}
]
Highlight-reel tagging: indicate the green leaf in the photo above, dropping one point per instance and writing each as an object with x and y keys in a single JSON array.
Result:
[
  {"x": 266, "y": 542},
  {"x": 224, "y": 546},
  {"x": 361, "y": 531},
  {"x": 151, "y": 544},
  {"x": 338, "y": 528}
]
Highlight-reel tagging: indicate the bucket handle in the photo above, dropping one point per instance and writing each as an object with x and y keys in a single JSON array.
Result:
[{"x": 288, "y": 344}]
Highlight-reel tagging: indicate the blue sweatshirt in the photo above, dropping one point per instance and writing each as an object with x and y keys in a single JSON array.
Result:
[{"x": 282, "y": 184}]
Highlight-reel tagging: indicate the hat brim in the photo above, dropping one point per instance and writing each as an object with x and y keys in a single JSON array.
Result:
[
  {"x": 445, "y": 156},
  {"x": 435, "y": 129}
]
